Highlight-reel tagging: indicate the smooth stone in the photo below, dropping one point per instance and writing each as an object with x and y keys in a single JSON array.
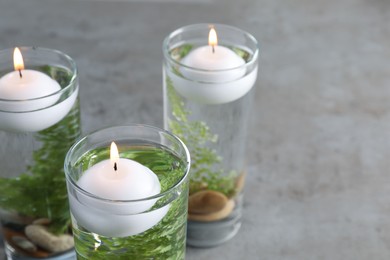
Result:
[
  {"x": 223, "y": 213},
  {"x": 42, "y": 237},
  {"x": 9, "y": 233},
  {"x": 206, "y": 202},
  {"x": 24, "y": 243}
]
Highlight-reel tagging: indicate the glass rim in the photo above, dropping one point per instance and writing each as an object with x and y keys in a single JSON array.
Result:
[
  {"x": 166, "y": 50},
  {"x": 154, "y": 197},
  {"x": 72, "y": 66}
]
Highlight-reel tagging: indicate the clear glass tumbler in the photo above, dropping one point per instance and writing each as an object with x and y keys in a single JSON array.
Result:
[
  {"x": 208, "y": 91},
  {"x": 35, "y": 135},
  {"x": 107, "y": 223}
]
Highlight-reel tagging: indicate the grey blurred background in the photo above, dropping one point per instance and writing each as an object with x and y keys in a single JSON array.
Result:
[{"x": 319, "y": 143}]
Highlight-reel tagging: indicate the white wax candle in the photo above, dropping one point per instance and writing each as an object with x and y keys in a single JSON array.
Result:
[
  {"x": 28, "y": 100},
  {"x": 109, "y": 215},
  {"x": 220, "y": 65},
  {"x": 27, "y": 84},
  {"x": 213, "y": 74},
  {"x": 31, "y": 85},
  {"x": 131, "y": 181}
]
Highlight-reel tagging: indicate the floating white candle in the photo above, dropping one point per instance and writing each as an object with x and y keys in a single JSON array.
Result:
[
  {"x": 28, "y": 98},
  {"x": 114, "y": 183},
  {"x": 24, "y": 84},
  {"x": 214, "y": 62},
  {"x": 213, "y": 74}
]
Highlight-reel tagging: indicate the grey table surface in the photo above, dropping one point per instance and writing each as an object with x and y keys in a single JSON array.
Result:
[{"x": 318, "y": 185}]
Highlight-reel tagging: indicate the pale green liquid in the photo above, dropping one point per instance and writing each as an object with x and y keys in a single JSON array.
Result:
[{"x": 167, "y": 239}]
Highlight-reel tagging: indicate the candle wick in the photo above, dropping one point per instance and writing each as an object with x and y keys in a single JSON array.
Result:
[
  {"x": 212, "y": 48},
  {"x": 20, "y": 74},
  {"x": 115, "y": 166}
]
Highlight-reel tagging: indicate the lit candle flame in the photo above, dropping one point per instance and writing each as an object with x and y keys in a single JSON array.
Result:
[
  {"x": 18, "y": 60},
  {"x": 213, "y": 39},
  {"x": 114, "y": 155}
]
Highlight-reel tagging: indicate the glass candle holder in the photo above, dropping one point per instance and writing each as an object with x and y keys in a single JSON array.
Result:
[
  {"x": 208, "y": 91},
  {"x": 132, "y": 208},
  {"x": 35, "y": 135}
]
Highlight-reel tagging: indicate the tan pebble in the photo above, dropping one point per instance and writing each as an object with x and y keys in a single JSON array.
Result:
[
  {"x": 206, "y": 202},
  {"x": 223, "y": 213},
  {"x": 41, "y": 221},
  {"x": 63, "y": 243},
  {"x": 24, "y": 243},
  {"x": 40, "y": 236}
]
